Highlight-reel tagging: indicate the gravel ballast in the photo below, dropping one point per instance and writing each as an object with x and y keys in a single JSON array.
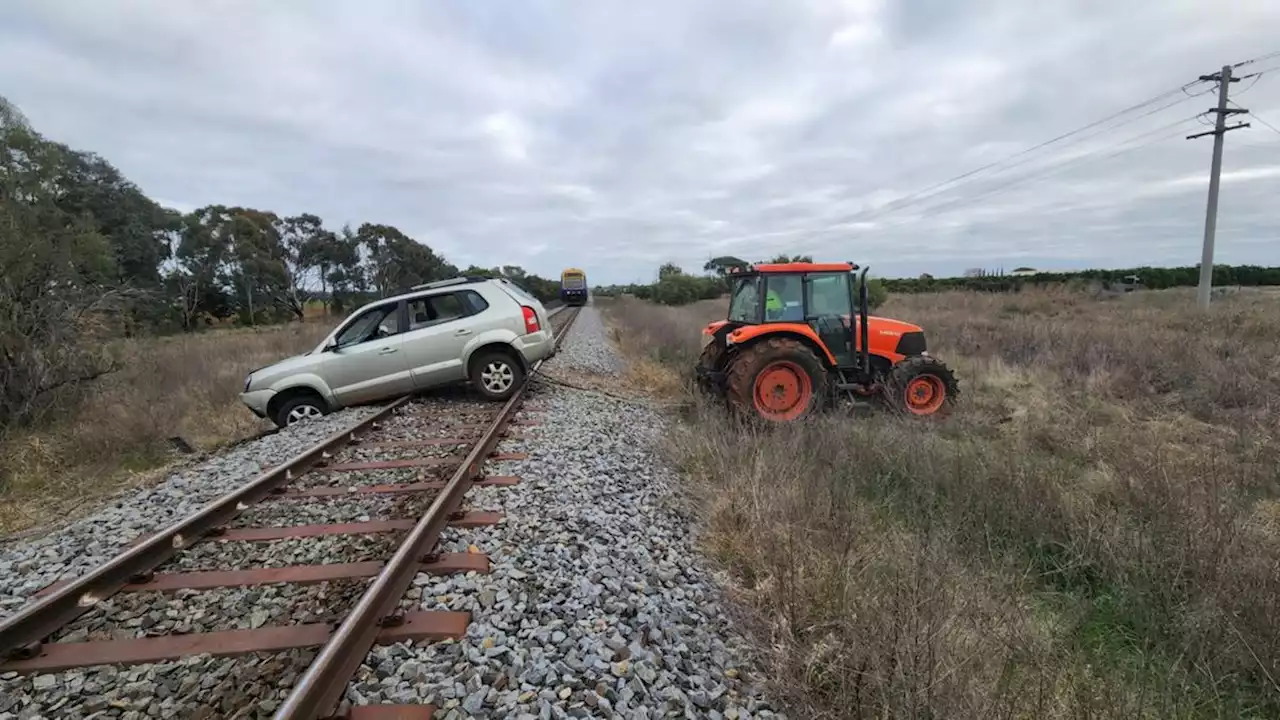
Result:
[
  {"x": 30, "y": 564},
  {"x": 597, "y": 604}
]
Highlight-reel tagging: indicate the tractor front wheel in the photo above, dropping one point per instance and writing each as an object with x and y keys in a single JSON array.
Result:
[
  {"x": 777, "y": 380},
  {"x": 921, "y": 385}
]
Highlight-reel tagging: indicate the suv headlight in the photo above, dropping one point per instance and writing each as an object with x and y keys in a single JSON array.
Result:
[{"x": 248, "y": 380}]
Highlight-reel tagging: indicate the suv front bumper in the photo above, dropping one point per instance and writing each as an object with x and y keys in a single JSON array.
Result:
[{"x": 257, "y": 400}]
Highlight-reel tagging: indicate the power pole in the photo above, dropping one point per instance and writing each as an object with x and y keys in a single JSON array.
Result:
[{"x": 1220, "y": 129}]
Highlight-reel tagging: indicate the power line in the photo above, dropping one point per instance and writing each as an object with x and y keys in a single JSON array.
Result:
[
  {"x": 1273, "y": 128},
  {"x": 1255, "y": 117},
  {"x": 1126, "y": 146},
  {"x": 1256, "y": 77},
  {"x": 1250, "y": 61},
  {"x": 928, "y": 191}
]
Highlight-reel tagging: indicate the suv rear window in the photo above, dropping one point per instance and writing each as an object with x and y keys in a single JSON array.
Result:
[
  {"x": 474, "y": 301},
  {"x": 520, "y": 293}
]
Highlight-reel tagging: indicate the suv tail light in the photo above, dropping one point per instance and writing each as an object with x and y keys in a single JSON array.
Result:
[{"x": 530, "y": 320}]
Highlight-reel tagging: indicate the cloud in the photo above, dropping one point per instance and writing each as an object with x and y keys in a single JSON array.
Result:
[
  {"x": 509, "y": 134},
  {"x": 617, "y": 136}
]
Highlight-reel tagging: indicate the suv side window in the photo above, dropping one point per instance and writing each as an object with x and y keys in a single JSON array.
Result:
[
  {"x": 474, "y": 301},
  {"x": 435, "y": 309},
  {"x": 381, "y": 321},
  {"x": 447, "y": 307}
]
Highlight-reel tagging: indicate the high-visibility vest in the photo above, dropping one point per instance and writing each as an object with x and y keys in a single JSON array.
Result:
[{"x": 772, "y": 303}]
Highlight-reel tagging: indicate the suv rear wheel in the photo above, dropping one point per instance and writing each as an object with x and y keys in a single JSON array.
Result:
[{"x": 496, "y": 375}]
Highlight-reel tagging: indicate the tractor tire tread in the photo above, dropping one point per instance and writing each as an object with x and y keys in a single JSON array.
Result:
[
  {"x": 745, "y": 364},
  {"x": 895, "y": 382}
]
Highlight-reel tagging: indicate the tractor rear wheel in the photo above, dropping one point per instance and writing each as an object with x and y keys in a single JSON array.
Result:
[
  {"x": 777, "y": 380},
  {"x": 922, "y": 386}
]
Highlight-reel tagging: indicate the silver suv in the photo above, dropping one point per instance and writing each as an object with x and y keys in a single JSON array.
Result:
[{"x": 487, "y": 331}]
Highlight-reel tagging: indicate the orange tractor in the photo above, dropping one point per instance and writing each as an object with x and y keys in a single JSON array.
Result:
[{"x": 798, "y": 337}]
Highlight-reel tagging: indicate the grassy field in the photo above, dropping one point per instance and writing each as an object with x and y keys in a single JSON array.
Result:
[
  {"x": 186, "y": 386},
  {"x": 1095, "y": 533}
]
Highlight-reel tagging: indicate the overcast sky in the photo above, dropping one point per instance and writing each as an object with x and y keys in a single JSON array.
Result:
[{"x": 616, "y": 136}]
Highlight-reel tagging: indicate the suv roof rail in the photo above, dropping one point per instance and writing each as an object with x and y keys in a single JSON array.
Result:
[{"x": 451, "y": 281}]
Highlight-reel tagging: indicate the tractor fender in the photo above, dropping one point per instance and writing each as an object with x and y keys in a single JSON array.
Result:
[
  {"x": 748, "y": 334},
  {"x": 714, "y": 327}
]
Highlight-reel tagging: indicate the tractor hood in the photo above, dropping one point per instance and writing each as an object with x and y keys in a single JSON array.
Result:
[{"x": 890, "y": 327}]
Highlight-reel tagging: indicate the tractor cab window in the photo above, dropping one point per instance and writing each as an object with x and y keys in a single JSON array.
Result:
[
  {"x": 784, "y": 298},
  {"x": 745, "y": 305},
  {"x": 830, "y": 308},
  {"x": 829, "y": 295}
]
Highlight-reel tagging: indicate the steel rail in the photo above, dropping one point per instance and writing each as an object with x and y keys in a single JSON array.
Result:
[
  {"x": 22, "y": 633},
  {"x": 324, "y": 684}
]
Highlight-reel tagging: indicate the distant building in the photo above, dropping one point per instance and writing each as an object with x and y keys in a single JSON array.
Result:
[{"x": 1024, "y": 271}]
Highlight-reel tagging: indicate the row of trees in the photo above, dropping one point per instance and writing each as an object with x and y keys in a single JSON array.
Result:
[
  {"x": 265, "y": 268},
  {"x": 87, "y": 257},
  {"x": 674, "y": 286},
  {"x": 1151, "y": 277}
]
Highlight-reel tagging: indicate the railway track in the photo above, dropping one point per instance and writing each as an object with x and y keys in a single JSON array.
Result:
[{"x": 402, "y": 463}]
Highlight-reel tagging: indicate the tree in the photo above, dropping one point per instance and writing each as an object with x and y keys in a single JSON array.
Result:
[
  {"x": 784, "y": 258},
  {"x": 308, "y": 248},
  {"x": 57, "y": 303},
  {"x": 476, "y": 271},
  {"x": 133, "y": 224},
  {"x": 721, "y": 265},
  {"x": 259, "y": 271},
  {"x": 201, "y": 258},
  {"x": 669, "y": 270},
  {"x": 345, "y": 272},
  {"x": 396, "y": 261}
]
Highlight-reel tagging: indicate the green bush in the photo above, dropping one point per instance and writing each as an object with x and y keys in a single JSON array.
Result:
[{"x": 877, "y": 293}]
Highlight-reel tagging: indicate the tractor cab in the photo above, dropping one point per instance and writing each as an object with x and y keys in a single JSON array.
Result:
[
  {"x": 814, "y": 318},
  {"x": 821, "y": 296}
]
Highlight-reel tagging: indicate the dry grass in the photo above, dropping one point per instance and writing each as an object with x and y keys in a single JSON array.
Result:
[
  {"x": 1094, "y": 533},
  {"x": 185, "y": 386}
]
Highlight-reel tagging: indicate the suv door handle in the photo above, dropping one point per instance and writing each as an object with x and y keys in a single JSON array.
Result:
[
  {"x": 387, "y": 350},
  {"x": 462, "y": 331}
]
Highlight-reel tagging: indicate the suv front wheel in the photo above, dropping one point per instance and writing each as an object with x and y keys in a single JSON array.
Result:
[
  {"x": 299, "y": 408},
  {"x": 496, "y": 375}
]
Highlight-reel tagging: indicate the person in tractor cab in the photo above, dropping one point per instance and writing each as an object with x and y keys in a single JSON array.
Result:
[{"x": 782, "y": 302}]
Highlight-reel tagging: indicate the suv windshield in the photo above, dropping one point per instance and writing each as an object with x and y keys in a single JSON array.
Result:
[{"x": 745, "y": 305}]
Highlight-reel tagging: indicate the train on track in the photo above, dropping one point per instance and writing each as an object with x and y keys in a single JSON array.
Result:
[{"x": 573, "y": 286}]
